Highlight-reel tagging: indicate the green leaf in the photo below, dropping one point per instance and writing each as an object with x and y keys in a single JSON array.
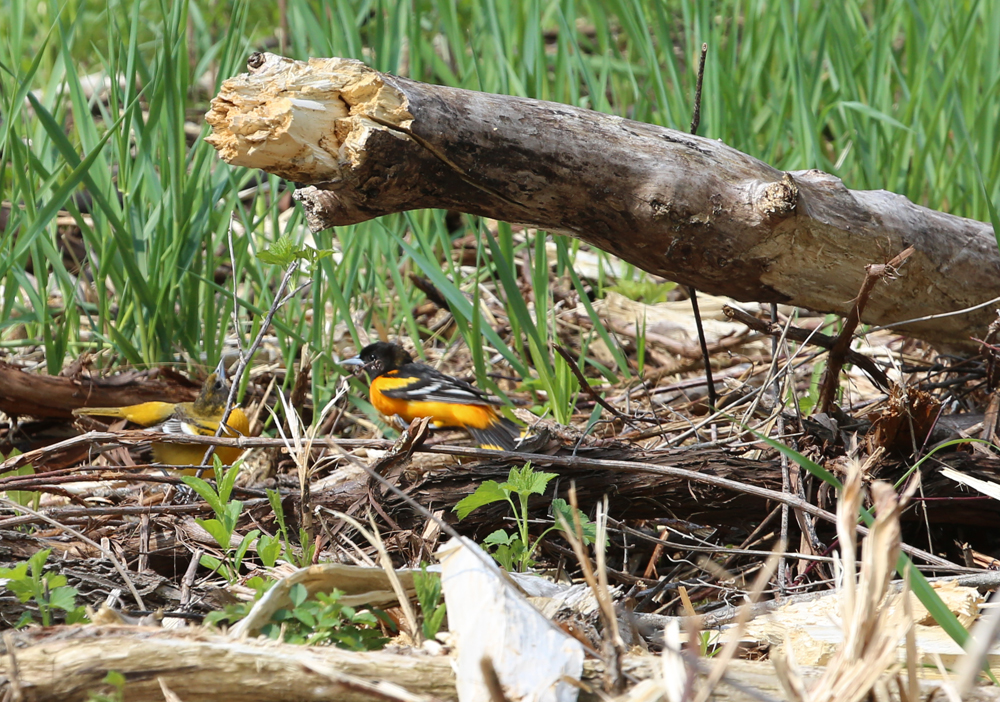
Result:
[
  {"x": 18, "y": 572},
  {"x": 432, "y": 624},
  {"x": 274, "y": 497},
  {"x": 210, "y": 562},
  {"x": 205, "y": 491},
  {"x": 298, "y": 594},
  {"x": 228, "y": 477},
  {"x": 870, "y": 111},
  {"x": 561, "y": 508},
  {"x": 280, "y": 253},
  {"x": 526, "y": 481},
  {"x": 305, "y": 616},
  {"x": 499, "y": 537},
  {"x": 24, "y": 589},
  {"x": 231, "y": 514},
  {"x": 37, "y": 562},
  {"x": 511, "y": 557},
  {"x": 217, "y": 530},
  {"x": 487, "y": 493},
  {"x": 241, "y": 550},
  {"x": 63, "y": 598},
  {"x": 115, "y": 679},
  {"x": 428, "y": 587},
  {"x": 284, "y": 252},
  {"x": 269, "y": 549},
  {"x": 21, "y": 497},
  {"x": 77, "y": 616}
]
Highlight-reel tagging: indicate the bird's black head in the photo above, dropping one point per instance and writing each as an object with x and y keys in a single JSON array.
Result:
[{"x": 380, "y": 357}]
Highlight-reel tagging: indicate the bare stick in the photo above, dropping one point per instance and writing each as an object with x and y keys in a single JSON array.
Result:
[
  {"x": 838, "y": 353},
  {"x": 245, "y": 358},
  {"x": 590, "y": 390},
  {"x": 696, "y": 115},
  {"x": 805, "y": 336},
  {"x": 692, "y": 293}
]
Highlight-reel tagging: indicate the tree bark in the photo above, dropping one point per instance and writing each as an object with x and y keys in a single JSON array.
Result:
[
  {"x": 36, "y": 395},
  {"x": 690, "y": 209}
]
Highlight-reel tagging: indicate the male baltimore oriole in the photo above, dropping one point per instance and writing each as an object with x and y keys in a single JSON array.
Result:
[
  {"x": 200, "y": 418},
  {"x": 399, "y": 386}
]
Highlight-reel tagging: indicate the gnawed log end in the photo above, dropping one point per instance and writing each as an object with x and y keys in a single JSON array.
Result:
[{"x": 306, "y": 121}]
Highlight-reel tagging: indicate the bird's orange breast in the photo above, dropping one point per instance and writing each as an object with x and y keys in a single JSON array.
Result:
[{"x": 443, "y": 414}]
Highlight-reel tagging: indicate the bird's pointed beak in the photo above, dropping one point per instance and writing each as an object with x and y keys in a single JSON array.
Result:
[
  {"x": 220, "y": 370},
  {"x": 355, "y": 361}
]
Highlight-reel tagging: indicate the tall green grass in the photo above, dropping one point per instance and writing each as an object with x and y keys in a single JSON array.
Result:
[{"x": 897, "y": 94}]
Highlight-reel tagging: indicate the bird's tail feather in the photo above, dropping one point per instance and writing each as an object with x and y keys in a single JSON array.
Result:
[
  {"x": 101, "y": 411},
  {"x": 502, "y": 435}
]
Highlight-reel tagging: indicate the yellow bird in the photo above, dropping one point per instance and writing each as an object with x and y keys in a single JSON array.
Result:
[{"x": 198, "y": 418}]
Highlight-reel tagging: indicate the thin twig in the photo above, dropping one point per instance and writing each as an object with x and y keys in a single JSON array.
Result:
[
  {"x": 590, "y": 390},
  {"x": 929, "y": 317},
  {"x": 805, "y": 336},
  {"x": 838, "y": 354},
  {"x": 246, "y": 358},
  {"x": 692, "y": 293},
  {"x": 696, "y": 114},
  {"x": 786, "y": 478}
]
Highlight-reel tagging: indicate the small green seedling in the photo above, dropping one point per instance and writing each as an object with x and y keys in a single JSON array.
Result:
[
  {"x": 324, "y": 620},
  {"x": 232, "y": 613},
  {"x": 29, "y": 581},
  {"x": 432, "y": 609},
  {"x": 270, "y": 548},
  {"x": 514, "y": 550},
  {"x": 227, "y": 514},
  {"x": 116, "y": 682},
  {"x": 284, "y": 252}
]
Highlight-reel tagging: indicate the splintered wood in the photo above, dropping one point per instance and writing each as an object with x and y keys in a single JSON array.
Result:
[{"x": 300, "y": 120}]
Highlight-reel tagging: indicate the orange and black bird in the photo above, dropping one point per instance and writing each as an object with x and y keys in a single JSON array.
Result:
[
  {"x": 406, "y": 389},
  {"x": 200, "y": 418}
]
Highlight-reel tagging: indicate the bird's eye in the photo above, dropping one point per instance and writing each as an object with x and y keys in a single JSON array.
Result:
[{"x": 219, "y": 385}]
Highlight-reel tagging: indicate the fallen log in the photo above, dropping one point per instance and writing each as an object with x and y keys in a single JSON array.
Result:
[
  {"x": 36, "y": 395},
  {"x": 69, "y": 663},
  {"x": 691, "y": 209},
  {"x": 707, "y": 485}
]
